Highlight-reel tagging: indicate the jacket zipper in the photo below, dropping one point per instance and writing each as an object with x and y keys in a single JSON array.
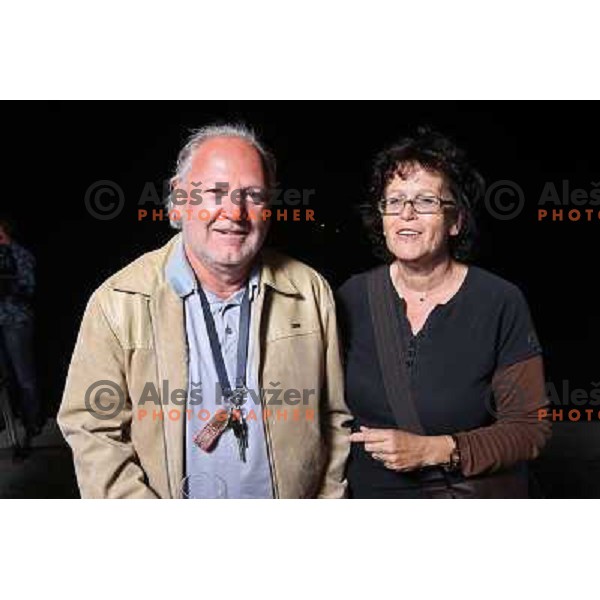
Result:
[
  {"x": 269, "y": 441},
  {"x": 270, "y": 453}
]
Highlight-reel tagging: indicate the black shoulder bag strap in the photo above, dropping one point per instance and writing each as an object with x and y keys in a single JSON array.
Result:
[{"x": 390, "y": 349}]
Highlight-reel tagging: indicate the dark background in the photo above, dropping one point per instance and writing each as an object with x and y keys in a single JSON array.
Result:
[{"x": 54, "y": 151}]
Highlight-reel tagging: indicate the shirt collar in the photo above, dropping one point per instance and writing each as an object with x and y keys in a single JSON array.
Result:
[{"x": 182, "y": 278}]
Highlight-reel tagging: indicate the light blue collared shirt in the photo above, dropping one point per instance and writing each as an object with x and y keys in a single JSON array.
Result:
[{"x": 220, "y": 472}]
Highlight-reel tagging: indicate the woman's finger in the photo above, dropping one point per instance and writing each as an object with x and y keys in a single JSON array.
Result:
[
  {"x": 376, "y": 435},
  {"x": 377, "y": 447}
]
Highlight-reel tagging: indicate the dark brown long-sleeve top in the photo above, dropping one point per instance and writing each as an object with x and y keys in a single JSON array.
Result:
[
  {"x": 475, "y": 372},
  {"x": 519, "y": 431}
]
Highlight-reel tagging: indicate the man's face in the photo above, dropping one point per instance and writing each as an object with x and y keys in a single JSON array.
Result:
[
  {"x": 414, "y": 237},
  {"x": 224, "y": 232}
]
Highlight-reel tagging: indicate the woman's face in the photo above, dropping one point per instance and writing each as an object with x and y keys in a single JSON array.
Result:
[{"x": 413, "y": 237}]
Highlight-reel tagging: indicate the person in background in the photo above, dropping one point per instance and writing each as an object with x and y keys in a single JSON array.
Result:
[
  {"x": 444, "y": 372},
  {"x": 17, "y": 285}
]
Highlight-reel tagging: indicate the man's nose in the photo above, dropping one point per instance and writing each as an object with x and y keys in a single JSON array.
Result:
[{"x": 235, "y": 203}]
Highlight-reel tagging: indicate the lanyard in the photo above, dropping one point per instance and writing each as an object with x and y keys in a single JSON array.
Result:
[{"x": 242, "y": 347}]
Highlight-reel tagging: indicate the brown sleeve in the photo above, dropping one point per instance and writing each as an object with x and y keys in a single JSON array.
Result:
[{"x": 518, "y": 433}]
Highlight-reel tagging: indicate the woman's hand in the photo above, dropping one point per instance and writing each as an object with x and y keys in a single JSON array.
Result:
[{"x": 403, "y": 451}]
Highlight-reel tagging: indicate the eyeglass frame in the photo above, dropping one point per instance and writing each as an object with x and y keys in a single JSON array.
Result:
[{"x": 404, "y": 201}]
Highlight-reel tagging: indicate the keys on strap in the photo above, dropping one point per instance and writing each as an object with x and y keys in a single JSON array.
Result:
[{"x": 239, "y": 426}]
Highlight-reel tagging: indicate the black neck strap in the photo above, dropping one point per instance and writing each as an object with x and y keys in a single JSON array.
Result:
[{"x": 242, "y": 348}]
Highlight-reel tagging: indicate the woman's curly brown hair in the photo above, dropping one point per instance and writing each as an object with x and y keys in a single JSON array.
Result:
[{"x": 434, "y": 152}]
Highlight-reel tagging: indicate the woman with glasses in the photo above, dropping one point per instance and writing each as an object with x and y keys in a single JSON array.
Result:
[{"x": 444, "y": 372}]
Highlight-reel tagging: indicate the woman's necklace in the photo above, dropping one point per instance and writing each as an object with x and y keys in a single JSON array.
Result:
[{"x": 424, "y": 295}]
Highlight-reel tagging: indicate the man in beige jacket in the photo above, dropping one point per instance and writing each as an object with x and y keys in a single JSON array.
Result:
[{"x": 141, "y": 410}]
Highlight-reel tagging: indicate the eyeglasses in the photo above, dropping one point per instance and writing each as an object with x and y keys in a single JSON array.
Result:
[{"x": 423, "y": 205}]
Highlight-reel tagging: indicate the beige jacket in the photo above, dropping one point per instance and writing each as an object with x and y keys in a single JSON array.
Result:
[{"x": 133, "y": 332}]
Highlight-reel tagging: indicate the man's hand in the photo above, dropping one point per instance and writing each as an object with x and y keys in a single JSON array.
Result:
[{"x": 403, "y": 451}]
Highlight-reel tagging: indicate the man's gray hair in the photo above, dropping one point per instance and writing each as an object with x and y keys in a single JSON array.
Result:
[{"x": 199, "y": 136}]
